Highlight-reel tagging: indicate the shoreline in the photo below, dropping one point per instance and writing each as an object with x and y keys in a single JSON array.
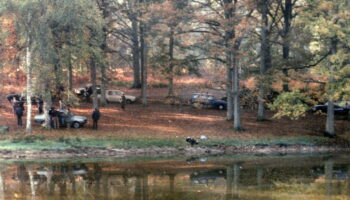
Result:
[{"x": 132, "y": 152}]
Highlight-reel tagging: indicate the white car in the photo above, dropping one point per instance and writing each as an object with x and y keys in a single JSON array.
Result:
[
  {"x": 75, "y": 121},
  {"x": 116, "y": 96}
]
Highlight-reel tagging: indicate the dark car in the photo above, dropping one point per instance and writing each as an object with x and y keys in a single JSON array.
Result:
[
  {"x": 200, "y": 97},
  {"x": 87, "y": 90},
  {"x": 338, "y": 110},
  {"x": 208, "y": 101},
  {"x": 218, "y": 104},
  {"x": 65, "y": 118}
]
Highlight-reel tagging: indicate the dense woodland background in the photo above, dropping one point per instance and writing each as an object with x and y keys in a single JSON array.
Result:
[{"x": 283, "y": 55}]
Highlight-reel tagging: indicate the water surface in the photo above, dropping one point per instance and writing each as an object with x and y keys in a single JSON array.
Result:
[{"x": 230, "y": 177}]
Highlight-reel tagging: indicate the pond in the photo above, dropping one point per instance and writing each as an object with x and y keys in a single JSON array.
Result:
[{"x": 229, "y": 177}]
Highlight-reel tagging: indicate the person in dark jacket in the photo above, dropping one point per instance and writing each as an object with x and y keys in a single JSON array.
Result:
[
  {"x": 95, "y": 117},
  {"x": 53, "y": 114},
  {"x": 40, "y": 104},
  {"x": 19, "y": 114},
  {"x": 123, "y": 102}
]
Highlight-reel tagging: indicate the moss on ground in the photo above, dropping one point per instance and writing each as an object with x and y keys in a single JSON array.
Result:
[{"x": 41, "y": 142}]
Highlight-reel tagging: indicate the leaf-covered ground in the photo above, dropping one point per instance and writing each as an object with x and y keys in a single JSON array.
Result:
[{"x": 160, "y": 120}]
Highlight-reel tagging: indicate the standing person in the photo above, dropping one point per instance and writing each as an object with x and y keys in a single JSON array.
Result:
[
  {"x": 95, "y": 117},
  {"x": 62, "y": 105},
  {"x": 123, "y": 102},
  {"x": 19, "y": 114},
  {"x": 40, "y": 106},
  {"x": 14, "y": 105},
  {"x": 52, "y": 114}
]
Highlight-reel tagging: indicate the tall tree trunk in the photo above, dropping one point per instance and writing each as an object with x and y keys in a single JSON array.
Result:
[
  {"x": 135, "y": 51},
  {"x": 103, "y": 100},
  {"x": 57, "y": 72},
  {"x": 330, "y": 119},
  {"x": 106, "y": 14},
  {"x": 171, "y": 63},
  {"x": 144, "y": 58},
  {"x": 70, "y": 75},
  {"x": 144, "y": 71},
  {"x": 29, "y": 87},
  {"x": 229, "y": 36},
  {"x": 47, "y": 98},
  {"x": 287, "y": 15},
  {"x": 93, "y": 82},
  {"x": 70, "y": 81},
  {"x": 330, "y": 109},
  {"x": 229, "y": 92},
  {"x": 265, "y": 59},
  {"x": 236, "y": 94}
]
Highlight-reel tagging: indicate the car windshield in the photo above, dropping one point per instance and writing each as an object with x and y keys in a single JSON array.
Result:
[{"x": 210, "y": 98}]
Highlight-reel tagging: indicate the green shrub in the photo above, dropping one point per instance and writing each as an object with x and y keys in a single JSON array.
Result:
[{"x": 290, "y": 104}]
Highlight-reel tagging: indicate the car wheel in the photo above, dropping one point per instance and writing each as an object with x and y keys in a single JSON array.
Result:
[
  {"x": 221, "y": 107},
  {"x": 76, "y": 125},
  {"x": 128, "y": 101}
]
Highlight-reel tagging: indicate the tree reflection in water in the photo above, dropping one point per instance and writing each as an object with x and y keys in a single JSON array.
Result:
[{"x": 218, "y": 178}]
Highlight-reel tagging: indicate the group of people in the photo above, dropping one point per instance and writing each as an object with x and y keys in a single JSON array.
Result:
[{"x": 55, "y": 118}]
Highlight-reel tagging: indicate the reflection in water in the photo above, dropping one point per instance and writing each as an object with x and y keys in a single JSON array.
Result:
[
  {"x": 31, "y": 180},
  {"x": 218, "y": 178},
  {"x": 259, "y": 176},
  {"x": 328, "y": 168},
  {"x": 2, "y": 194}
]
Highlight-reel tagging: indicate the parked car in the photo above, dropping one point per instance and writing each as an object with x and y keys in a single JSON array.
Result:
[
  {"x": 208, "y": 100},
  {"x": 338, "y": 110},
  {"x": 218, "y": 104},
  {"x": 116, "y": 96},
  {"x": 345, "y": 104},
  {"x": 87, "y": 90},
  {"x": 66, "y": 117},
  {"x": 207, "y": 177},
  {"x": 200, "y": 97}
]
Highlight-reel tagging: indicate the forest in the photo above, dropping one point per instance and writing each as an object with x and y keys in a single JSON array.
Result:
[{"x": 279, "y": 56}]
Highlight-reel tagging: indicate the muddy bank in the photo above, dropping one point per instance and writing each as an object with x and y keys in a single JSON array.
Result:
[{"x": 168, "y": 151}]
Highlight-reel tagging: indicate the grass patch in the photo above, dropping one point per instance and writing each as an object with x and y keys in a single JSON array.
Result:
[
  {"x": 40, "y": 142},
  {"x": 312, "y": 141}
]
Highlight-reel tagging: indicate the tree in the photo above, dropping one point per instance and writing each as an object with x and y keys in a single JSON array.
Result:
[
  {"x": 225, "y": 25},
  {"x": 327, "y": 22},
  {"x": 265, "y": 56},
  {"x": 29, "y": 16},
  {"x": 143, "y": 53},
  {"x": 48, "y": 32},
  {"x": 173, "y": 53},
  {"x": 123, "y": 26}
]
